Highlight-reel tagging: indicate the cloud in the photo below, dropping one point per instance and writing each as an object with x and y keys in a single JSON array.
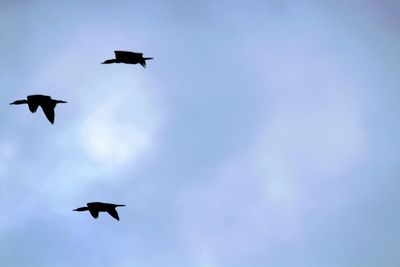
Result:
[{"x": 111, "y": 140}]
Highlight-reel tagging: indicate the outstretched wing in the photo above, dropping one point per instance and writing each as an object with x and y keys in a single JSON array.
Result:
[
  {"x": 49, "y": 112},
  {"x": 113, "y": 213},
  {"x": 126, "y": 53},
  {"x": 95, "y": 213},
  {"x": 33, "y": 106}
]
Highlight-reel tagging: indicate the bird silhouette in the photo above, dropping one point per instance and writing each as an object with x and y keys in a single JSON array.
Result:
[
  {"x": 45, "y": 102},
  {"x": 128, "y": 58},
  {"x": 95, "y": 207}
]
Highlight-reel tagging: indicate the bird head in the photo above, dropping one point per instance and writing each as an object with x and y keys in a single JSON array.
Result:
[
  {"x": 81, "y": 209},
  {"x": 18, "y": 102},
  {"x": 109, "y": 61}
]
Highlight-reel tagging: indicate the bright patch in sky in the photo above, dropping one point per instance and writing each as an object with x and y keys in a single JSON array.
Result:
[
  {"x": 114, "y": 133},
  {"x": 113, "y": 142}
]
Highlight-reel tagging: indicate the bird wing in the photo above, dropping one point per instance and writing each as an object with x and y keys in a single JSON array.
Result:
[
  {"x": 33, "y": 106},
  {"x": 38, "y": 97},
  {"x": 95, "y": 213},
  {"x": 49, "y": 112},
  {"x": 127, "y": 54},
  {"x": 93, "y": 204},
  {"x": 113, "y": 213}
]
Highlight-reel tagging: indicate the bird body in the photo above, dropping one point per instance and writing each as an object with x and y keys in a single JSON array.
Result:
[
  {"x": 95, "y": 207},
  {"x": 45, "y": 102},
  {"x": 128, "y": 57}
]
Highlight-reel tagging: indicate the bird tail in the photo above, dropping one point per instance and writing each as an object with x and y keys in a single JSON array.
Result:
[{"x": 143, "y": 61}]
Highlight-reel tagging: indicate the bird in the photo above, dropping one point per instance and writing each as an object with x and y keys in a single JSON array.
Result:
[
  {"x": 45, "y": 102},
  {"x": 128, "y": 58},
  {"x": 95, "y": 207}
]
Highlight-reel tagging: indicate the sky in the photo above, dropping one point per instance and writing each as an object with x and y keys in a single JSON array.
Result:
[{"x": 263, "y": 133}]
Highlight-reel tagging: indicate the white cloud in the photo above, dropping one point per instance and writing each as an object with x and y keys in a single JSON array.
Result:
[
  {"x": 119, "y": 127},
  {"x": 111, "y": 141}
]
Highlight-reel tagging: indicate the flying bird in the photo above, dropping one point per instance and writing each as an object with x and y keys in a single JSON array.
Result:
[
  {"x": 95, "y": 207},
  {"x": 128, "y": 58},
  {"x": 45, "y": 102}
]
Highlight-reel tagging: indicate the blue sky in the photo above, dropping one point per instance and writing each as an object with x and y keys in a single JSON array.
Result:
[{"x": 263, "y": 133}]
